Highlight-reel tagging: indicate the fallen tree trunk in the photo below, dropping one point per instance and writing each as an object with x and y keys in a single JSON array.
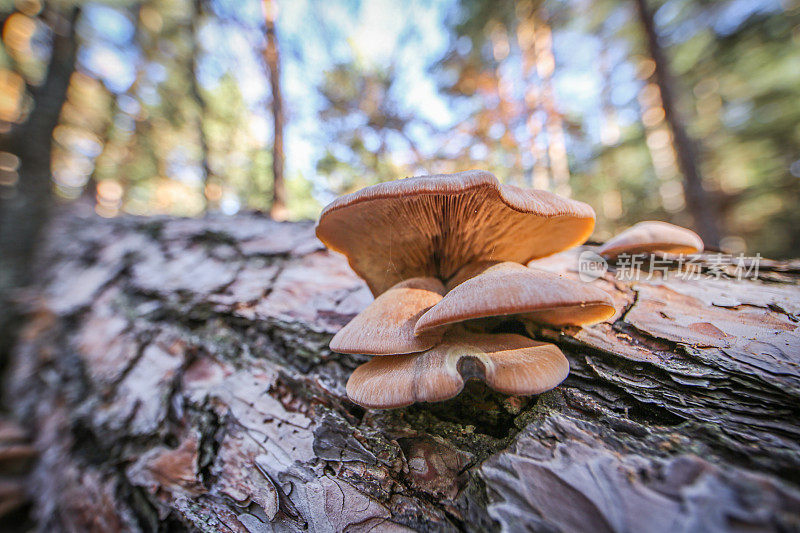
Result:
[{"x": 177, "y": 376}]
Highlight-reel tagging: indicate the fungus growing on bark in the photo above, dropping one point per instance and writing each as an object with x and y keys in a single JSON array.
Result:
[
  {"x": 406, "y": 238},
  {"x": 494, "y": 289},
  {"x": 432, "y": 226},
  {"x": 508, "y": 363},
  {"x": 652, "y": 236},
  {"x": 386, "y": 326}
]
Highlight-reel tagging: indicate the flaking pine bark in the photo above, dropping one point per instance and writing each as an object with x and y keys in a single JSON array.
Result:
[{"x": 177, "y": 375}]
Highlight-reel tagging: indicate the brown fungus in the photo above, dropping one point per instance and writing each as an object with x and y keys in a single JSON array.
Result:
[
  {"x": 508, "y": 363},
  {"x": 386, "y": 326},
  {"x": 496, "y": 289},
  {"x": 406, "y": 237},
  {"x": 432, "y": 226},
  {"x": 652, "y": 236}
]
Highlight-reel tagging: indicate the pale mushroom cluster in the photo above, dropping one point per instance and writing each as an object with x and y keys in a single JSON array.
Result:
[{"x": 439, "y": 252}]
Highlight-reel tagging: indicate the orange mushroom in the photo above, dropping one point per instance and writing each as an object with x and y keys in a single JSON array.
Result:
[
  {"x": 494, "y": 289},
  {"x": 432, "y": 226},
  {"x": 406, "y": 237},
  {"x": 508, "y": 363},
  {"x": 652, "y": 236},
  {"x": 386, "y": 326}
]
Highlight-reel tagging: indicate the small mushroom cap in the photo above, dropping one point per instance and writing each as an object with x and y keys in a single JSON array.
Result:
[
  {"x": 652, "y": 236},
  {"x": 386, "y": 326},
  {"x": 433, "y": 225},
  {"x": 509, "y": 289},
  {"x": 508, "y": 363}
]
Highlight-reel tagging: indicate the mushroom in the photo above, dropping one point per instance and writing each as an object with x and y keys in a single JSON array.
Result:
[
  {"x": 432, "y": 226},
  {"x": 652, "y": 236},
  {"x": 493, "y": 289},
  {"x": 386, "y": 326},
  {"x": 405, "y": 238},
  {"x": 508, "y": 363}
]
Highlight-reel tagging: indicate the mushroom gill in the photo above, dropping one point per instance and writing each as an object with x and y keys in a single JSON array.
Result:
[{"x": 433, "y": 225}]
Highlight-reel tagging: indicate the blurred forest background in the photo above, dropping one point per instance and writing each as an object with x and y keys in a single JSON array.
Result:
[{"x": 679, "y": 110}]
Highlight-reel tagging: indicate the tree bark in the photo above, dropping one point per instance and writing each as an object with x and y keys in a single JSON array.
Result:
[
  {"x": 272, "y": 59},
  {"x": 177, "y": 375},
  {"x": 701, "y": 204}
]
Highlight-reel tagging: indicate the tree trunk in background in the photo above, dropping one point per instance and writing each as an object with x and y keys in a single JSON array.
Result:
[
  {"x": 178, "y": 377},
  {"x": 610, "y": 183},
  {"x": 211, "y": 188},
  {"x": 526, "y": 38},
  {"x": 701, "y": 204},
  {"x": 272, "y": 59},
  {"x": 556, "y": 143},
  {"x": 26, "y": 210},
  {"x": 536, "y": 43}
]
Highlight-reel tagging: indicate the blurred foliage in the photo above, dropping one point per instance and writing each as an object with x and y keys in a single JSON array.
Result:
[
  {"x": 169, "y": 109},
  {"x": 360, "y": 117}
]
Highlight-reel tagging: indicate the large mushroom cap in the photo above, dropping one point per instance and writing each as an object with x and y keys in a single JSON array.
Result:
[
  {"x": 490, "y": 289},
  {"x": 511, "y": 364},
  {"x": 386, "y": 326},
  {"x": 653, "y": 236},
  {"x": 434, "y": 225}
]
